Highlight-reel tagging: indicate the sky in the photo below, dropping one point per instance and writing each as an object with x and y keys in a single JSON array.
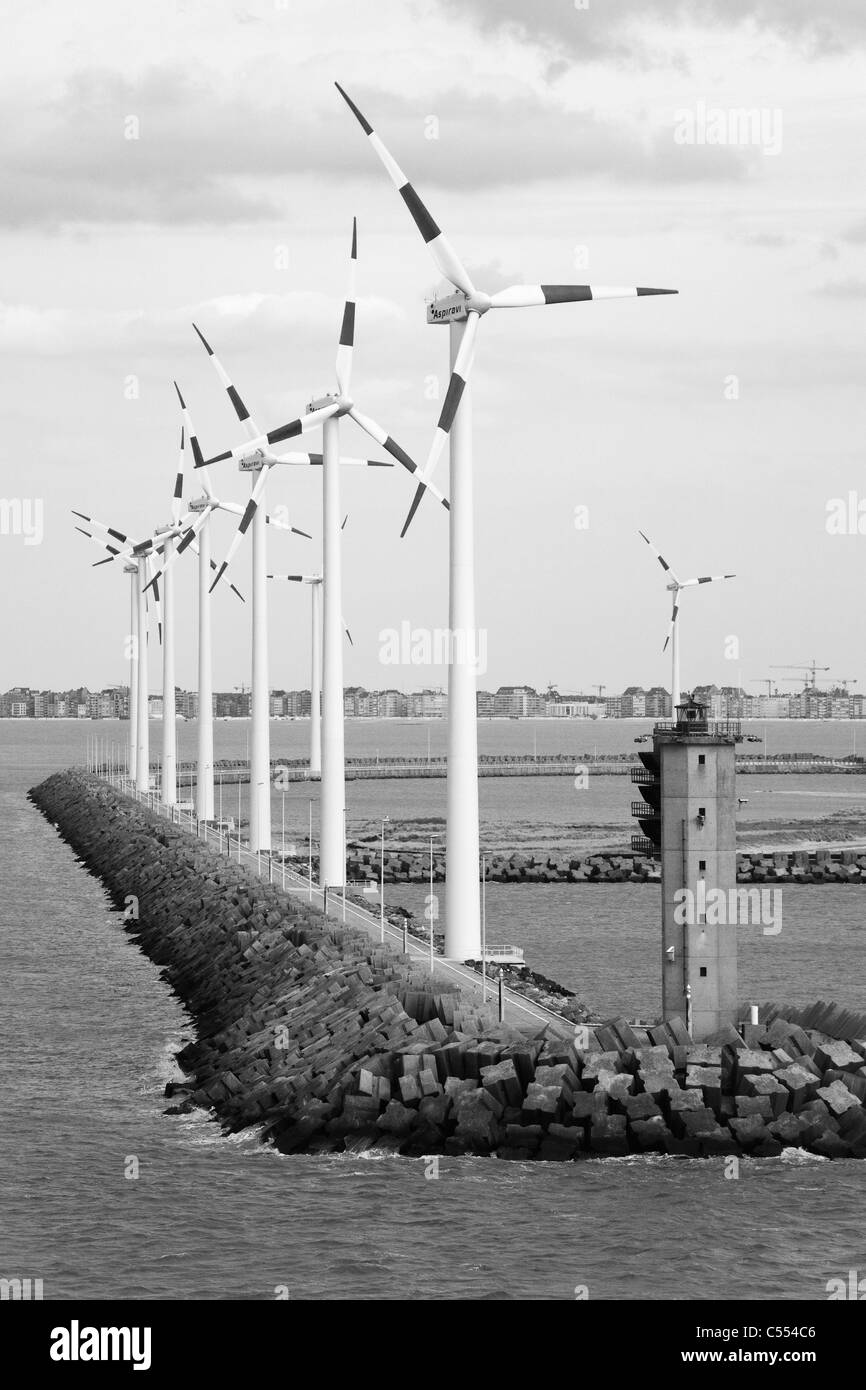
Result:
[{"x": 165, "y": 163}]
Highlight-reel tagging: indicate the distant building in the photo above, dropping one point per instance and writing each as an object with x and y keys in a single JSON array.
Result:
[
  {"x": 427, "y": 704},
  {"x": 392, "y": 704},
  {"x": 633, "y": 702},
  {"x": 518, "y": 702},
  {"x": 657, "y": 703}
]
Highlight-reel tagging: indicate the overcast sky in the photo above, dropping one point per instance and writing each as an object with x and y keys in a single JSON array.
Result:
[{"x": 721, "y": 422}]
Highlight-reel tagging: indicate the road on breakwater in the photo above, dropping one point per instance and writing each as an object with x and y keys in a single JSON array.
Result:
[{"x": 517, "y": 1009}]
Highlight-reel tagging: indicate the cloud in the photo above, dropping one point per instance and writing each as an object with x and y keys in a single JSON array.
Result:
[
  {"x": 851, "y": 288},
  {"x": 167, "y": 148},
  {"x": 641, "y": 31},
  {"x": 246, "y": 320}
]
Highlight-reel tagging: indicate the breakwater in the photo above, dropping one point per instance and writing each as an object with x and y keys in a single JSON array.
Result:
[
  {"x": 328, "y": 1042},
  {"x": 847, "y": 866}
]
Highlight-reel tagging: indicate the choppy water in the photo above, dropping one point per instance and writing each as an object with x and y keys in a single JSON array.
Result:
[{"x": 87, "y": 1032}]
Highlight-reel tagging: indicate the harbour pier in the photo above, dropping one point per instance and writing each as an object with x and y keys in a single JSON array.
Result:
[{"x": 328, "y": 1040}]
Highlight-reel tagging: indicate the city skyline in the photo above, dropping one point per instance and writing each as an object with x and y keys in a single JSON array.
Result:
[{"x": 522, "y": 701}]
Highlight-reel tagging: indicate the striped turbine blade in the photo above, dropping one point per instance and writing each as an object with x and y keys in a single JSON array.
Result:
[
  {"x": 390, "y": 446},
  {"x": 118, "y": 535},
  {"x": 676, "y": 609},
  {"x": 456, "y": 387},
  {"x": 446, "y": 258},
  {"x": 197, "y": 456},
  {"x": 528, "y": 296},
  {"x": 289, "y": 431},
  {"x": 178, "y": 482},
  {"x": 237, "y": 404},
  {"x": 347, "y": 327},
  {"x": 661, "y": 559}
]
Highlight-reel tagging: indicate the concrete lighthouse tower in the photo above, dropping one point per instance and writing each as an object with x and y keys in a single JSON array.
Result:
[{"x": 688, "y": 819}]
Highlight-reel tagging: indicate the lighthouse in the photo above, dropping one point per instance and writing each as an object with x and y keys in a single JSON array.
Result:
[{"x": 687, "y": 817}]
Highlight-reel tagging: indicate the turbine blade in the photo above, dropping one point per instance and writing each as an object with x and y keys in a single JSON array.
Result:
[
  {"x": 675, "y": 611},
  {"x": 177, "y": 499},
  {"x": 103, "y": 545},
  {"x": 447, "y": 261},
  {"x": 528, "y": 296},
  {"x": 347, "y": 328},
  {"x": 348, "y": 634},
  {"x": 262, "y": 442},
  {"x": 118, "y": 535},
  {"x": 456, "y": 387},
  {"x": 315, "y": 461},
  {"x": 706, "y": 579},
  {"x": 195, "y": 448},
  {"x": 416, "y": 502},
  {"x": 238, "y": 406},
  {"x": 284, "y": 526},
  {"x": 661, "y": 559},
  {"x": 148, "y": 565},
  {"x": 246, "y": 519},
  {"x": 376, "y": 432},
  {"x": 213, "y": 566}
]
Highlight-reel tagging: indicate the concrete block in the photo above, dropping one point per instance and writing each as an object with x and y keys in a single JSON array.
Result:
[
  {"x": 749, "y": 1130},
  {"x": 838, "y": 1098},
  {"x": 838, "y": 1055},
  {"x": 650, "y": 1135}
]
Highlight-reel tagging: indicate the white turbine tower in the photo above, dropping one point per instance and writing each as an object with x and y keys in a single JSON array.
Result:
[
  {"x": 462, "y": 311},
  {"x": 674, "y": 588},
  {"x": 168, "y": 789},
  {"x": 315, "y": 582},
  {"x": 326, "y": 412}
]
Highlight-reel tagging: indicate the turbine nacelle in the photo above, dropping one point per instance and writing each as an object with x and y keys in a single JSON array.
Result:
[
  {"x": 343, "y": 403},
  {"x": 255, "y": 460}
]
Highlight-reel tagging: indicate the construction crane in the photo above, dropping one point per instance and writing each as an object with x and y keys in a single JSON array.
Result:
[
  {"x": 600, "y": 689},
  {"x": 843, "y": 682},
  {"x": 768, "y": 682},
  {"x": 809, "y": 667}
]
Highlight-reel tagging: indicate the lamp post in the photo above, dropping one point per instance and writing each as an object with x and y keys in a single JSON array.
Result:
[
  {"x": 382, "y": 881},
  {"x": 432, "y": 908}
]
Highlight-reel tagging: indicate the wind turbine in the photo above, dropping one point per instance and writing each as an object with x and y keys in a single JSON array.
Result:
[
  {"x": 462, "y": 311},
  {"x": 315, "y": 581},
  {"x": 326, "y": 412},
  {"x": 673, "y": 630},
  {"x": 260, "y": 811},
  {"x": 131, "y": 641},
  {"x": 140, "y": 557},
  {"x": 197, "y": 537}
]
